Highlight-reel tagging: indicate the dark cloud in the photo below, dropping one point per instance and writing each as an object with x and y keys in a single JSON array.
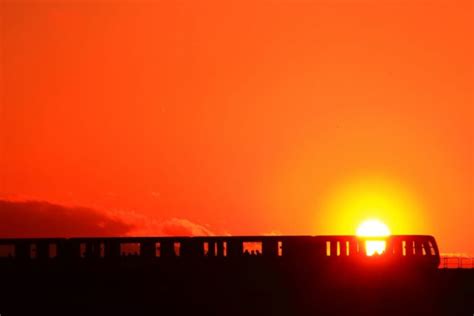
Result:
[{"x": 44, "y": 219}]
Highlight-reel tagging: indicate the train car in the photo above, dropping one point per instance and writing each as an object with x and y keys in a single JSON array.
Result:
[{"x": 402, "y": 250}]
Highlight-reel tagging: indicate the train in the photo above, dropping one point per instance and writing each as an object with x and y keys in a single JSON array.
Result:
[{"x": 402, "y": 250}]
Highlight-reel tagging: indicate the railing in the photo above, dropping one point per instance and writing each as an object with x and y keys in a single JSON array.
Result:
[{"x": 457, "y": 263}]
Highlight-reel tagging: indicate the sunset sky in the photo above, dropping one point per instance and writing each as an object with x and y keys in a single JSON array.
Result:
[{"x": 238, "y": 117}]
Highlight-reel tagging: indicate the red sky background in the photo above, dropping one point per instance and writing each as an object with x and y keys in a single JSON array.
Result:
[{"x": 241, "y": 117}]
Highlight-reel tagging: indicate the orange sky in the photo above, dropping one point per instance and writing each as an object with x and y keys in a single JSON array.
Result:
[{"x": 247, "y": 117}]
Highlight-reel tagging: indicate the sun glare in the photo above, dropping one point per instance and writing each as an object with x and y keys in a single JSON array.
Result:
[{"x": 373, "y": 228}]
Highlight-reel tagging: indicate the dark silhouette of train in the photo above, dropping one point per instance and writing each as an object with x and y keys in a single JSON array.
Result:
[
  {"x": 405, "y": 250},
  {"x": 230, "y": 275}
]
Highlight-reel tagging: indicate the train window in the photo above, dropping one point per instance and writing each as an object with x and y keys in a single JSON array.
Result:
[
  {"x": 432, "y": 249},
  {"x": 252, "y": 248},
  {"x": 347, "y": 244},
  {"x": 220, "y": 245},
  {"x": 130, "y": 249},
  {"x": 33, "y": 251},
  {"x": 209, "y": 249},
  {"x": 424, "y": 251},
  {"x": 177, "y": 248},
  {"x": 419, "y": 249},
  {"x": 328, "y": 248},
  {"x": 408, "y": 247},
  {"x": 280, "y": 248},
  {"x": 7, "y": 251},
  {"x": 224, "y": 248},
  {"x": 338, "y": 248},
  {"x": 157, "y": 249},
  {"x": 52, "y": 250}
]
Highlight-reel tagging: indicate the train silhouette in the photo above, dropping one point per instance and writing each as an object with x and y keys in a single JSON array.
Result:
[
  {"x": 230, "y": 275},
  {"x": 402, "y": 250}
]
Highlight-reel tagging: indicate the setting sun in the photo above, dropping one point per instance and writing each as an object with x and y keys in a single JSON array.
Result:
[{"x": 373, "y": 228}]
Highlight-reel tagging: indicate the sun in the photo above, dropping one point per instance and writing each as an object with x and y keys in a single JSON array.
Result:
[{"x": 373, "y": 228}]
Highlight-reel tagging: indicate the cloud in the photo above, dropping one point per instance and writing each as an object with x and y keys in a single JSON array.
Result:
[
  {"x": 44, "y": 219},
  {"x": 147, "y": 226},
  {"x": 183, "y": 227}
]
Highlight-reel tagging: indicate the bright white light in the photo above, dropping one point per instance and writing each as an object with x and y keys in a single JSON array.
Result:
[{"x": 373, "y": 228}]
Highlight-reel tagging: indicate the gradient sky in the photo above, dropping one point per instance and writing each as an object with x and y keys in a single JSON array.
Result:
[{"x": 246, "y": 117}]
